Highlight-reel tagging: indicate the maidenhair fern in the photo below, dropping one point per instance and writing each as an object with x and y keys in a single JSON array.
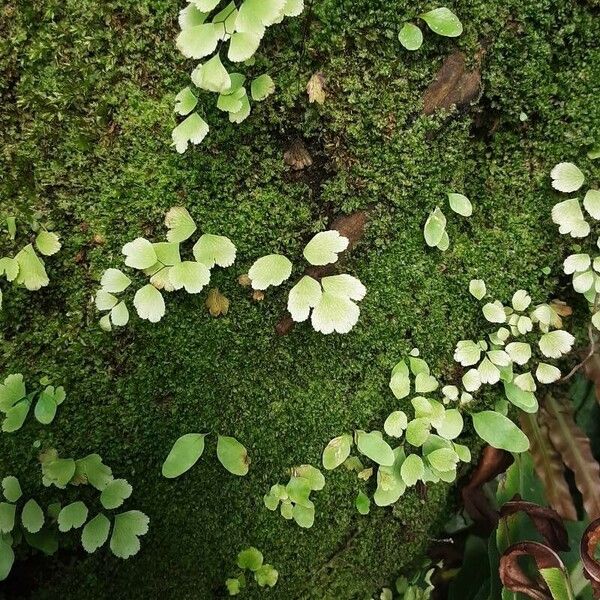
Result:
[
  {"x": 15, "y": 402},
  {"x": 251, "y": 559},
  {"x": 440, "y": 20},
  {"x": 207, "y": 27},
  {"x": 26, "y": 269},
  {"x": 161, "y": 263}
]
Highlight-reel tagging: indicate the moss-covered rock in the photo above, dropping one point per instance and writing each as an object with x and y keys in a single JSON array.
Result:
[{"x": 85, "y": 125}]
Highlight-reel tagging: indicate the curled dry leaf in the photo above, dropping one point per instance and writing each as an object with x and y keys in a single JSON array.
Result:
[
  {"x": 549, "y": 466},
  {"x": 258, "y": 295},
  {"x": 546, "y": 520},
  {"x": 491, "y": 463},
  {"x": 315, "y": 88},
  {"x": 244, "y": 280},
  {"x": 217, "y": 303},
  {"x": 297, "y": 156},
  {"x": 574, "y": 447},
  {"x": 561, "y": 308},
  {"x": 453, "y": 85},
  {"x": 588, "y": 551},
  {"x": 516, "y": 580}
]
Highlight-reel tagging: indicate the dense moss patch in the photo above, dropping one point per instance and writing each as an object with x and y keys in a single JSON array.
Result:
[{"x": 87, "y": 92}]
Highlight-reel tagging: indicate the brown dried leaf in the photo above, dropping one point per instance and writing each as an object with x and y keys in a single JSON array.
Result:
[
  {"x": 244, "y": 280},
  {"x": 549, "y": 466},
  {"x": 217, "y": 303},
  {"x": 574, "y": 447},
  {"x": 491, "y": 463},
  {"x": 297, "y": 156},
  {"x": 453, "y": 85},
  {"x": 546, "y": 520},
  {"x": 315, "y": 88},
  {"x": 561, "y": 308},
  {"x": 591, "y": 567},
  {"x": 514, "y": 578},
  {"x": 591, "y": 369}
]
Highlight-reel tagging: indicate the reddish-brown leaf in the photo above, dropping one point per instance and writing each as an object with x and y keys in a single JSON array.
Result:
[
  {"x": 516, "y": 580},
  {"x": 546, "y": 520},
  {"x": 574, "y": 447},
  {"x": 453, "y": 85},
  {"x": 549, "y": 466},
  {"x": 297, "y": 156},
  {"x": 491, "y": 463},
  {"x": 591, "y": 567}
]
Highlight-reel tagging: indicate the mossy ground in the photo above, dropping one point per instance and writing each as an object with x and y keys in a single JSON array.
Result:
[{"x": 87, "y": 93}]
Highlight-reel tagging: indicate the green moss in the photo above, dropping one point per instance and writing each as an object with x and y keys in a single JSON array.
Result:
[{"x": 85, "y": 138}]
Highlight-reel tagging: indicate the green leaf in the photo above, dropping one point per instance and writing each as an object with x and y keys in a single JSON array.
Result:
[
  {"x": 11, "y": 391},
  {"x": 324, "y": 247},
  {"x": 119, "y": 315},
  {"x": 395, "y": 424},
  {"x": 114, "y": 281},
  {"x": 149, "y": 303},
  {"x": 192, "y": 130},
  {"x": 139, "y": 254},
  {"x": 435, "y": 226},
  {"x": 412, "y": 469},
  {"x": 262, "y": 87},
  {"x": 410, "y": 36},
  {"x": 72, "y": 516},
  {"x": 11, "y": 488},
  {"x": 47, "y": 243},
  {"x": 7, "y": 558},
  {"x": 45, "y": 407},
  {"x": 494, "y": 312},
  {"x": 417, "y": 431},
  {"x": 298, "y": 490},
  {"x": 32, "y": 516},
  {"x": 95, "y": 533},
  {"x": 444, "y": 243},
  {"x": 272, "y": 269},
  {"x": 546, "y": 373},
  {"x": 32, "y": 273},
  {"x": 234, "y": 585},
  {"x": 443, "y": 459},
  {"x": 183, "y": 455},
  {"x": 92, "y": 470},
  {"x": 390, "y": 485},
  {"x": 313, "y": 475},
  {"x": 304, "y": 515},
  {"x": 212, "y": 76},
  {"x": 190, "y": 275},
  {"x": 344, "y": 286},
  {"x": 306, "y": 294},
  {"x": 566, "y": 177},
  {"x": 9, "y": 267},
  {"x": 127, "y": 528},
  {"x": 242, "y": 46},
  {"x": 185, "y": 101},
  {"x": 477, "y": 288},
  {"x": 266, "y": 12},
  {"x": 568, "y": 216},
  {"x": 499, "y": 431},
  {"x": 443, "y": 22},
  {"x": 362, "y": 503},
  {"x": 266, "y": 576},
  {"x": 334, "y": 313},
  {"x": 374, "y": 447},
  {"x": 7, "y": 517},
  {"x": 451, "y": 425},
  {"x": 180, "y": 225},
  {"x": 425, "y": 383},
  {"x": 199, "y": 41},
  {"x": 524, "y": 400},
  {"x": 400, "y": 384},
  {"x": 556, "y": 343},
  {"x": 15, "y": 417},
  {"x": 105, "y": 300},
  {"x": 243, "y": 112},
  {"x": 337, "y": 451},
  {"x": 232, "y": 455},
  {"x": 460, "y": 204},
  {"x": 250, "y": 558},
  {"x": 115, "y": 493},
  {"x": 58, "y": 471},
  {"x": 212, "y": 250}
]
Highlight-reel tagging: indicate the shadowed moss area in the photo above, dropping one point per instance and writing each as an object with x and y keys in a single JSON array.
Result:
[{"x": 85, "y": 125}]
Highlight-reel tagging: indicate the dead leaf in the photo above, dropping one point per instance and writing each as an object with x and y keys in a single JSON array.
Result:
[
  {"x": 315, "y": 88},
  {"x": 549, "y": 466},
  {"x": 561, "y": 308},
  {"x": 453, "y": 85},
  {"x": 365, "y": 474},
  {"x": 244, "y": 280},
  {"x": 216, "y": 303},
  {"x": 588, "y": 549},
  {"x": 546, "y": 520},
  {"x": 516, "y": 580},
  {"x": 258, "y": 296},
  {"x": 491, "y": 463},
  {"x": 297, "y": 156},
  {"x": 574, "y": 447}
]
